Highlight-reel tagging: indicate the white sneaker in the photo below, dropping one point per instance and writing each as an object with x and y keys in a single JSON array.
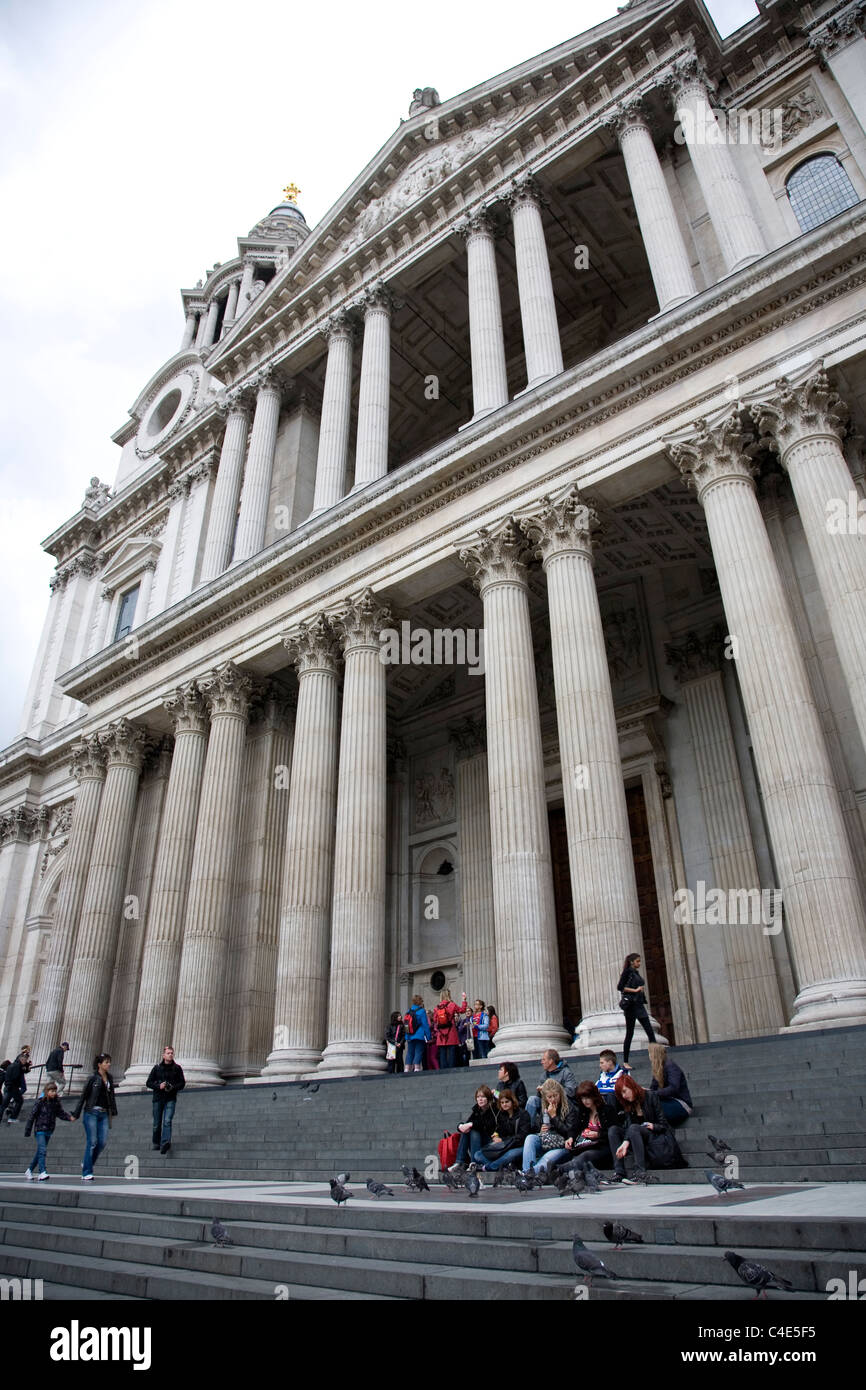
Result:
[
  {"x": 43, "y": 1177},
  {"x": 87, "y": 1177},
  {"x": 29, "y": 1176}
]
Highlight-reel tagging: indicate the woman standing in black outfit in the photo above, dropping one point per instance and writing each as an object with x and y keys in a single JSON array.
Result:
[{"x": 633, "y": 1003}]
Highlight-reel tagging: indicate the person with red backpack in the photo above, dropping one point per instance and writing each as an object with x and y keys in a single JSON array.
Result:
[
  {"x": 417, "y": 1033},
  {"x": 445, "y": 1028}
]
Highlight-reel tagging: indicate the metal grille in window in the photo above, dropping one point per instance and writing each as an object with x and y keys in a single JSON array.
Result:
[{"x": 818, "y": 190}]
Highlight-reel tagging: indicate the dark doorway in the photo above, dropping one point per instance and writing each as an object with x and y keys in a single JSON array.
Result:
[{"x": 571, "y": 1012}]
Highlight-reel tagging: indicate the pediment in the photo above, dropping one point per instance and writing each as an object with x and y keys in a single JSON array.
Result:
[{"x": 130, "y": 559}]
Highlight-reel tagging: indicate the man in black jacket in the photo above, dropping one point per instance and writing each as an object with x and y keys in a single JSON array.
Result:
[
  {"x": 54, "y": 1065},
  {"x": 165, "y": 1080},
  {"x": 14, "y": 1086}
]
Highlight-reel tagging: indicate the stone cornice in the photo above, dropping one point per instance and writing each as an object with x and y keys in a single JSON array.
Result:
[{"x": 705, "y": 330}]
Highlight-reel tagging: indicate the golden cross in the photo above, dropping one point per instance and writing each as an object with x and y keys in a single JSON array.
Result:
[{"x": 291, "y": 193}]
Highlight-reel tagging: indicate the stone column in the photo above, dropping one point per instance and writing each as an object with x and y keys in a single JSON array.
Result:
[
  {"x": 189, "y": 331},
  {"x": 336, "y": 413},
  {"x": 197, "y": 1022},
  {"x": 144, "y": 592},
  {"x": 103, "y": 635},
  {"x": 748, "y": 954},
  {"x": 739, "y": 236},
  {"x": 102, "y": 911},
  {"x": 487, "y": 341},
  {"x": 663, "y": 241},
  {"x": 88, "y": 767},
  {"x": 200, "y": 332},
  {"x": 824, "y": 912},
  {"x": 805, "y": 423},
  {"x": 211, "y": 323},
  {"x": 356, "y": 1001},
  {"x": 249, "y": 274},
  {"x": 227, "y": 489},
  {"x": 260, "y": 466},
  {"x": 163, "y": 940},
  {"x": 527, "y": 957},
  {"x": 604, "y": 892},
  {"x": 535, "y": 287},
  {"x": 374, "y": 397},
  {"x": 301, "y": 1007},
  {"x": 476, "y": 878},
  {"x": 231, "y": 306}
]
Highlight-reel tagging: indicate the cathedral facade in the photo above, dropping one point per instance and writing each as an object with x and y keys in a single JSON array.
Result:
[{"x": 481, "y": 595}]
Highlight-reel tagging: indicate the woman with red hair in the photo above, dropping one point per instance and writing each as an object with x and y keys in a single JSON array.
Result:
[{"x": 642, "y": 1130}]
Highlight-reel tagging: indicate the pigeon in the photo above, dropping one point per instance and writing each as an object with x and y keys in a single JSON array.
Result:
[
  {"x": 420, "y": 1181},
  {"x": 343, "y": 1178},
  {"x": 220, "y": 1233},
  {"x": 720, "y": 1145},
  {"x": 592, "y": 1178},
  {"x": 589, "y": 1264},
  {"x": 472, "y": 1183},
  {"x": 620, "y": 1235},
  {"x": 273, "y": 1095},
  {"x": 755, "y": 1275},
  {"x": 573, "y": 1186},
  {"x": 314, "y": 1088},
  {"x": 500, "y": 1177},
  {"x": 722, "y": 1185},
  {"x": 339, "y": 1193},
  {"x": 450, "y": 1181},
  {"x": 378, "y": 1189},
  {"x": 526, "y": 1182}
]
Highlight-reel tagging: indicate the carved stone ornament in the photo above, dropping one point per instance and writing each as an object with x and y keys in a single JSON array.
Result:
[
  {"x": 697, "y": 654},
  {"x": 715, "y": 454},
  {"x": 312, "y": 646},
  {"x": 186, "y": 707},
  {"x": 626, "y": 115},
  {"x": 564, "y": 523},
  {"x": 481, "y": 221},
  {"x": 801, "y": 412},
  {"x": 423, "y": 99},
  {"x": 838, "y": 32},
  {"x": 686, "y": 73},
  {"x": 434, "y": 797},
  {"x": 124, "y": 744},
  {"x": 88, "y": 759},
  {"x": 97, "y": 495},
  {"x": 342, "y": 324},
  {"x": 469, "y": 736},
  {"x": 359, "y": 623},
  {"x": 62, "y": 818},
  {"x": 379, "y": 297},
  {"x": 233, "y": 402},
  {"x": 497, "y": 556},
  {"x": 523, "y": 190},
  {"x": 20, "y": 825},
  {"x": 227, "y": 690}
]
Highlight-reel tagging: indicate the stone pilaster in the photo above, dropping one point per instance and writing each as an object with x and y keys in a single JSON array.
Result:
[
  {"x": 805, "y": 424},
  {"x": 739, "y": 236},
  {"x": 231, "y": 306},
  {"x": 227, "y": 489},
  {"x": 374, "y": 397},
  {"x": 476, "y": 878},
  {"x": 525, "y": 920},
  {"x": 487, "y": 341},
  {"x": 247, "y": 278},
  {"x": 301, "y": 1007},
  {"x": 604, "y": 892},
  {"x": 197, "y": 1021},
  {"x": 189, "y": 331},
  {"x": 102, "y": 911},
  {"x": 260, "y": 466},
  {"x": 88, "y": 767},
  {"x": 663, "y": 241},
  {"x": 336, "y": 413},
  {"x": 823, "y": 908},
  {"x": 535, "y": 287},
  {"x": 211, "y": 324},
  {"x": 163, "y": 940},
  {"x": 356, "y": 1000}
]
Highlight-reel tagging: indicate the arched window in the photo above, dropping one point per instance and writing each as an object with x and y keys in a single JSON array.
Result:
[{"x": 818, "y": 189}]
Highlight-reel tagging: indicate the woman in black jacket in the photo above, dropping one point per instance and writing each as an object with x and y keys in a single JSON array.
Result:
[
  {"x": 478, "y": 1127},
  {"x": 511, "y": 1080},
  {"x": 98, "y": 1103},
  {"x": 670, "y": 1085},
  {"x": 595, "y": 1118},
  {"x": 512, "y": 1127},
  {"x": 642, "y": 1130},
  {"x": 633, "y": 1003}
]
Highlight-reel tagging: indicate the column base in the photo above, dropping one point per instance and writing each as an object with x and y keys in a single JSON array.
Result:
[
  {"x": 202, "y": 1071},
  {"x": 481, "y": 415},
  {"x": 607, "y": 1029},
  {"x": 522, "y": 1042},
  {"x": 747, "y": 260},
  {"x": 351, "y": 1059},
  {"x": 538, "y": 381},
  {"x": 134, "y": 1078},
  {"x": 671, "y": 304},
  {"x": 289, "y": 1064},
  {"x": 831, "y": 1004}
]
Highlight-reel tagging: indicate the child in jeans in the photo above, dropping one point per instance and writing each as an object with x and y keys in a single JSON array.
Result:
[{"x": 43, "y": 1118}]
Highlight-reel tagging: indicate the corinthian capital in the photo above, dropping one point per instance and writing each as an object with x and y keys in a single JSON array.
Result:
[
  {"x": 687, "y": 73},
  {"x": 379, "y": 296},
  {"x": 715, "y": 454},
  {"x": 360, "y": 622},
  {"x": 801, "y": 412},
  {"x": 186, "y": 709},
  {"x": 497, "y": 556},
  {"x": 565, "y": 523},
  {"x": 341, "y": 324},
  {"x": 628, "y": 114},
  {"x": 233, "y": 402},
  {"x": 123, "y": 743},
  {"x": 524, "y": 189},
  {"x": 312, "y": 646},
  {"x": 88, "y": 759},
  {"x": 227, "y": 690},
  {"x": 479, "y": 222}
]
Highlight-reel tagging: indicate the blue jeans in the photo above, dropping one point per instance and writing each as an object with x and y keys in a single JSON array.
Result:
[
  {"x": 96, "y": 1132},
  {"x": 510, "y": 1156},
  {"x": 163, "y": 1114},
  {"x": 533, "y": 1108},
  {"x": 470, "y": 1144},
  {"x": 482, "y": 1047},
  {"x": 446, "y": 1057},
  {"x": 537, "y": 1158},
  {"x": 674, "y": 1112},
  {"x": 38, "y": 1161}
]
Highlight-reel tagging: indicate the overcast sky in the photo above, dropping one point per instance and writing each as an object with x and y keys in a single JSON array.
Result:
[{"x": 139, "y": 139}]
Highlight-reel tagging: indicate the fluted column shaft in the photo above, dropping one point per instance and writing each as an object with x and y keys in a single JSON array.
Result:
[
  {"x": 211, "y": 323},
  {"x": 200, "y": 983},
  {"x": 231, "y": 306},
  {"x": 102, "y": 910},
  {"x": 527, "y": 958},
  {"x": 247, "y": 277},
  {"x": 336, "y": 413},
  {"x": 200, "y": 332},
  {"x": 301, "y": 1006},
  {"x": 88, "y": 765},
  {"x": 164, "y": 932},
  {"x": 356, "y": 1001},
  {"x": 662, "y": 238},
  {"x": 259, "y": 470},
  {"x": 535, "y": 287},
  {"x": 739, "y": 236},
  {"x": 824, "y": 912},
  {"x": 476, "y": 879},
  {"x": 227, "y": 490},
  {"x": 806, "y": 423},
  {"x": 487, "y": 341},
  {"x": 374, "y": 397},
  {"x": 188, "y": 332}
]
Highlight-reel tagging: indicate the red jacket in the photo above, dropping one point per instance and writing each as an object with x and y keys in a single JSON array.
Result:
[{"x": 447, "y": 1037}]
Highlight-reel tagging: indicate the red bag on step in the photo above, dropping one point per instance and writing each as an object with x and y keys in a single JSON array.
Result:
[{"x": 447, "y": 1150}]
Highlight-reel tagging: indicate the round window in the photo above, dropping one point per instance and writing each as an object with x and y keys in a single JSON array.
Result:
[
  {"x": 437, "y": 979},
  {"x": 164, "y": 413}
]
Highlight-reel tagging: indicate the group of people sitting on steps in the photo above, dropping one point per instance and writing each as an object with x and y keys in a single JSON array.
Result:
[{"x": 613, "y": 1122}]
